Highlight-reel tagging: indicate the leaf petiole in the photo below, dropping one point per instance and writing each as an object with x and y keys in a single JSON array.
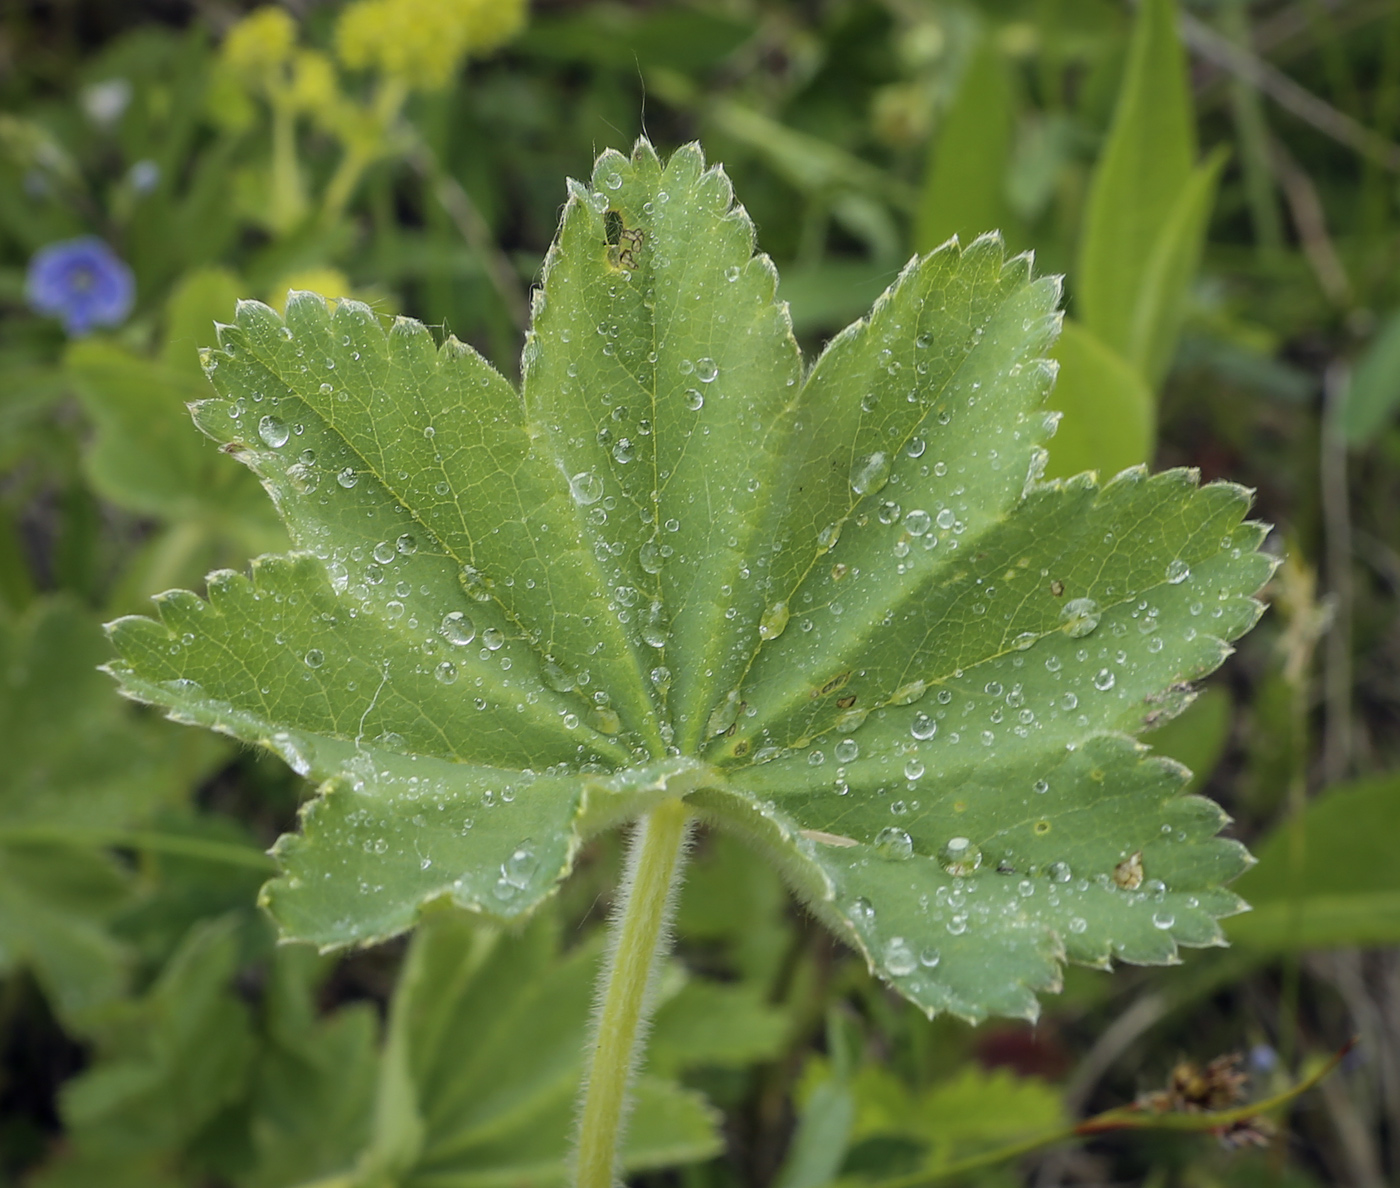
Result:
[{"x": 646, "y": 899}]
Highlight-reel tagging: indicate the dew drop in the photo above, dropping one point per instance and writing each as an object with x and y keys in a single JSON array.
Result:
[
  {"x": 586, "y": 487},
  {"x": 1177, "y": 572},
  {"x": 706, "y": 370},
  {"x": 1163, "y": 920},
  {"x": 273, "y": 431},
  {"x": 384, "y": 552},
  {"x": 446, "y": 672},
  {"x": 693, "y": 400},
  {"x": 847, "y": 750},
  {"x": 923, "y": 727},
  {"x": 493, "y": 638},
  {"x": 458, "y": 629},
  {"x": 406, "y": 545},
  {"x": 870, "y": 473},
  {"x": 917, "y": 522},
  {"x": 1104, "y": 680},
  {"x": 1079, "y": 617},
  {"x": 314, "y": 658},
  {"x": 959, "y": 857},
  {"x": 774, "y": 621},
  {"x": 894, "y": 843},
  {"x": 347, "y": 478},
  {"x": 899, "y": 957}
]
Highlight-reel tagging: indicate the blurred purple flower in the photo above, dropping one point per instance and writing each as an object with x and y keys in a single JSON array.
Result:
[{"x": 83, "y": 282}]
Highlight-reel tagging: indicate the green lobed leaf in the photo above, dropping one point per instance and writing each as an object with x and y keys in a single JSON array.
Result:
[
  {"x": 481, "y": 1064},
  {"x": 169, "y": 1062},
  {"x": 142, "y": 456},
  {"x": 838, "y": 611},
  {"x": 78, "y": 768}
]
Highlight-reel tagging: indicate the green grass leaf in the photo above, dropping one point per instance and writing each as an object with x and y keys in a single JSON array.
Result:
[
  {"x": 964, "y": 190},
  {"x": 1109, "y": 412},
  {"x": 836, "y": 609},
  {"x": 1345, "y": 890},
  {"x": 1148, "y": 204},
  {"x": 1374, "y": 390}
]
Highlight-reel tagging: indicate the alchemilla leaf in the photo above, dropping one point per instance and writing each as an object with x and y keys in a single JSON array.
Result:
[{"x": 836, "y": 609}]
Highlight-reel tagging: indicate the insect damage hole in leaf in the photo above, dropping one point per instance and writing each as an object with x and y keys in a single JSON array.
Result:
[{"x": 837, "y": 604}]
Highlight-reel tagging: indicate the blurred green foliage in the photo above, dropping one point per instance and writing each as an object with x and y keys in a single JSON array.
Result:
[{"x": 1226, "y": 213}]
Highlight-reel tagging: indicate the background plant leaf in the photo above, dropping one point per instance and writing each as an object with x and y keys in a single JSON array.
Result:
[
  {"x": 1343, "y": 890},
  {"x": 964, "y": 190},
  {"x": 79, "y": 767},
  {"x": 1110, "y": 413},
  {"x": 482, "y": 1060},
  {"x": 1146, "y": 164}
]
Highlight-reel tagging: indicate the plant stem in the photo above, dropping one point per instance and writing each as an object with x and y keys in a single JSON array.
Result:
[{"x": 639, "y": 930}]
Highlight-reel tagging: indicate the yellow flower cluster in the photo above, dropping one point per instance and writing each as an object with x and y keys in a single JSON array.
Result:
[
  {"x": 261, "y": 53},
  {"x": 261, "y": 44},
  {"x": 423, "y": 42}
]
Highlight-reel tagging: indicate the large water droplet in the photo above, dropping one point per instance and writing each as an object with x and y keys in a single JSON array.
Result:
[
  {"x": 347, "y": 478},
  {"x": 899, "y": 957},
  {"x": 446, "y": 672},
  {"x": 1178, "y": 571},
  {"x": 870, "y": 473},
  {"x": 923, "y": 727},
  {"x": 1104, "y": 680},
  {"x": 894, "y": 843},
  {"x": 273, "y": 431},
  {"x": 774, "y": 621},
  {"x": 917, "y": 522},
  {"x": 476, "y": 584},
  {"x": 847, "y": 750},
  {"x": 314, "y": 658},
  {"x": 1080, "y": 616},
  {"x": 959, "y": 857},
  {"x": 458, "y": 629},
  {"x": 706, "y": 370},
  {"x": 587, "y": 488},
  {"x": 909, "y": 693}
]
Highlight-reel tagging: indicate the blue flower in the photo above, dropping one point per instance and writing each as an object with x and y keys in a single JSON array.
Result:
[{"x": 83, "y": 282}]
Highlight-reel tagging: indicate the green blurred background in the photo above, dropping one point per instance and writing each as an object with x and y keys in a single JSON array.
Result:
[{"x": 1218, "y": 182}]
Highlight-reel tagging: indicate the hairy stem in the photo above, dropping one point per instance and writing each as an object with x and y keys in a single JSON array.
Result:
[{"x": 639, "y": 931}]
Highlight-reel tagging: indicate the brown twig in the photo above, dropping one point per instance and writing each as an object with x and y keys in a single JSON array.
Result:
[
  {"x": 1293, "y": 98},
  {"x": 473, "y": 228},
  {"x": 1310, "y": 221}
]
